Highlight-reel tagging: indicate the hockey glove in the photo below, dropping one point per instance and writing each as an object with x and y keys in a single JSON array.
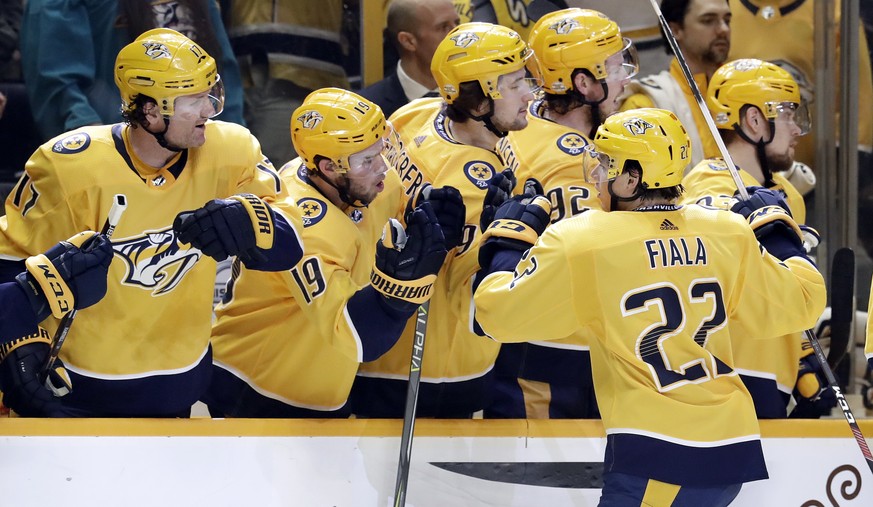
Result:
[
  {"x": 71, "y": 274},
  {"x": 499, "y": 190},
  {"x": 238, "y": 226},
  {"x": 20, "y": 364},
  {"x": 769, "y": 217},
  {"x": 407, "y": 262},
  {"x": 448, "y": 206},
  {"x": 812, "y": 394},
  {"x": 517, "y": 224}
]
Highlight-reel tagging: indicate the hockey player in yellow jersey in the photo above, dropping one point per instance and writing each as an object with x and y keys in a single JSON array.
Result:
[
  {"x": 481, "y": 76},
  {"x": 143, "y": 350},
  {"x": 760, "y": 114},
  {"x": 288, "y": 344},
  {"x": 585, "y": 63},
  {"x": 668, "y": 291}
]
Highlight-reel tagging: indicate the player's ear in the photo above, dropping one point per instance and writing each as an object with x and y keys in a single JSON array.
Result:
[
  {"x": 150, "y": 110},
  {"x": 326, "y": 166}
]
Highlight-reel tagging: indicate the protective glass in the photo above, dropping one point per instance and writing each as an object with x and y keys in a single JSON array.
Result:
[
  {"x": 532, "y": 68},
  {"x": 192, "y": 106},
  {"x": 627, "y": 65},
  {"x": 374, "y": 158},
  {"x": 595, "y": 165},
  {"x": 791, "y": 112}
]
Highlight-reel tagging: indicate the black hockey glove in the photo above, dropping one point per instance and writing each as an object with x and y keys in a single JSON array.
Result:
[
  {"x": 448, "y": 206},
  {"x": 240, "y": 226},
  {"x": 499, "y": 190},
  {"x": 20, "y": 364},
  {"x": 407, "y": 262},
  {"x": 71, "y": 274},
  {"x": 769, "y": 217},
  {"x": 812, "y": 394},
  {"x": 517, "y": 224}
]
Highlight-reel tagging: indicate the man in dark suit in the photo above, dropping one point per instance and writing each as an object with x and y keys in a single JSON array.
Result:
[{"x": 415, "y": 27}]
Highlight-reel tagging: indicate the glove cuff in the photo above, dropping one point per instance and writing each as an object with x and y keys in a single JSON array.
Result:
[
  {"x": 413, "y": 291},
  {"x": 769, "y": 214},
  {"x": 262, "y": 219},
  {"x": 41, "y": 336},
  {"x": 44, "y": 274}
]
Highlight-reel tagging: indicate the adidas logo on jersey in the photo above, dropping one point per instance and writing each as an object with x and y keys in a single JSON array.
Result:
[
  {"x": 418, "y": 140},
  {"x": 667, "y": 225}
]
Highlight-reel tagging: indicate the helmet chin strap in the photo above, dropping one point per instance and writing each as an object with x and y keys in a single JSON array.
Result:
[
  {"x": 486, "y": 119},
  {"x": 760, "y": 152},
  {"x": 160, "y": 136},
  {"x": 342, "y": 191},
  {"x": 596, "y": 115}
]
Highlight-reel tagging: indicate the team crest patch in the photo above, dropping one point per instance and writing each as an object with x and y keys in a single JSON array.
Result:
[
  {"x": 313, "y": 210},
  {"x": 572, "y": 143},
  {"x": 73, "y": 143},
  {"x": 465, "y": 39},
  {"x": 356, "y": 216},
  {"x": 479, "y": 172},
  {"x": 155, "y": 50},
  {"x": 637, "y": 126},
  {"x": 565, "y": 26},
  {"x": 155, "y": 261},
  {"x": 717, "y": 166},
  {"x": 310, "y": 119}
]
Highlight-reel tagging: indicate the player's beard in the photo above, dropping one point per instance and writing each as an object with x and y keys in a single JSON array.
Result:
[
  {"x": 716, "y": 55},
  {"x": 779, "y": 162},
  {"x": 356, "y": 192},
  {"x": 518, "y": 123}
]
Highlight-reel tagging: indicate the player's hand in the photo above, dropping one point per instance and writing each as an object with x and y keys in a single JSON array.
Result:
[
  {"x": 71, "y": 274},
  {"x": 407, "y": 261},
  {"x": 517, "y": 224},
  {"x": 812, "y": 394},
  {"x": 20, "y": 363},
  {"x": 499, "y": 190},
  {"x": 769, "y": 217},
  {"x": 449, "y": 208},
  {"x": 239, "y": 226}
]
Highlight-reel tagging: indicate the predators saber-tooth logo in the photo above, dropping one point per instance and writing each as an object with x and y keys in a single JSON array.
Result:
[
  {"x": 637, "y": 126},
  {"x": 310, "y": 119},
  {"x": 155, "y": 50},
  {"x": 465, "y": 39},
  {"x": 155, "y": 260},
  {"x": 565, "y": 26}
]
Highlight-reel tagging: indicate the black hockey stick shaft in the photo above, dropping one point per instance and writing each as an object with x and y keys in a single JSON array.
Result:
[
  {"x": 400, "y": 486},
  {"x": 119, "y": 204},
  {"x": 842, "y": 307},
  {"x": 841, "y": 400}
]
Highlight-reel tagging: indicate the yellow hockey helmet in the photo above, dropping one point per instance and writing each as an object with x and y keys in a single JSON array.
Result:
[
  {"x": 164, "y": 64},
  {"x": 479, "y": 52},
  {"x": 755, "y": 82},
  {"x": 335, "y": 124},
  {"x": 653, "y": 137},
  {"x": 571, "y": 39}
]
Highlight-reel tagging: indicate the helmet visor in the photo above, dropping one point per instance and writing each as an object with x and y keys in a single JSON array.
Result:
[
  {"x": 625, "y": 64},
  {"x": 210, "y": 103},
  {"x": 374, "y": 158},
  {"x": 595, "y": 165},
  {"x": 791, "y": 112}
]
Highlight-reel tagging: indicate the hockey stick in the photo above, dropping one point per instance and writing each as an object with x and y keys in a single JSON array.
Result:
[
  {"x": 119, "y": 204},
  {"x": 741, "y": 189},
  {"x": 400, "y": 486},
  {"x": 842, "y": 309}
]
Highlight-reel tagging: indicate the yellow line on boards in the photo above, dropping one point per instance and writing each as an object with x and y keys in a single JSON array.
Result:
[{"x": 513, "y": 428}]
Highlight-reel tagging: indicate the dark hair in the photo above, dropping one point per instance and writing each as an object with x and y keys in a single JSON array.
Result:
[
  {"x": 135, "y": 116},
  {"x": 470, "y": 96},
  {"x": 563, "y": 104},
  {"x": 139, "y": 17},
  {"x": 652, "y": 194}
]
